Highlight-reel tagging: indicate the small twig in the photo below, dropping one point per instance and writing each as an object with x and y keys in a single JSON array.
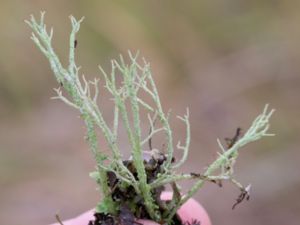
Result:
[
  {"x": 58, "y": 219},
  {"x": 245, "y": 194},
  {"x": 231, "y": 141}
]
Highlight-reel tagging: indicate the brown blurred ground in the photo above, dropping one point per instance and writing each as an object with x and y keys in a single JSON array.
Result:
[{"x": 223, "y": 59}]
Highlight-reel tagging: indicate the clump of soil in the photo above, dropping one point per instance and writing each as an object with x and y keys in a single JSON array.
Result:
[{"x": 131, "y": 205}]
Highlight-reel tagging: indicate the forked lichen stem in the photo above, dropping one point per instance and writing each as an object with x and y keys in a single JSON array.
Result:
[
  {"x": 128, "y": 105},
  {"x": 257, "y": 130}
]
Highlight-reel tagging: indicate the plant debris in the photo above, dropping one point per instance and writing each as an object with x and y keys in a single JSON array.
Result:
[
  {"x": 203, "y": 177},
  {"x": 103, "y": 219},
  {"x": 58, "y": 219},
  {"x": 131, "y": 204},
  {"x": 245, "y": 194},
  {"x": 75, "y": 43},
  {"x": 231, "y": 141}
]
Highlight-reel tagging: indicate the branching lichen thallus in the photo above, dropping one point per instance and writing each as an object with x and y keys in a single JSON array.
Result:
[{"x": 133, "y": 174}]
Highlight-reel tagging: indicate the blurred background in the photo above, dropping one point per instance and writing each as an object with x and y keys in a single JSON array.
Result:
[{"x": 222, "y": 59}]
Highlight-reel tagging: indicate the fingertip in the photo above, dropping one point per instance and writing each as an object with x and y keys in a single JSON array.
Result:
[
  {"x": 189, "y": 212},
  {"x": 192, "y": 210}
]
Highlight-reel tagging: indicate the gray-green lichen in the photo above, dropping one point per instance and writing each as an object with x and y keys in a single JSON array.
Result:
[{"x": 136, "y": 78}]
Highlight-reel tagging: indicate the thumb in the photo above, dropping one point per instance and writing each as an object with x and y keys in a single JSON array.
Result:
[{"x": 188, "y": 212}]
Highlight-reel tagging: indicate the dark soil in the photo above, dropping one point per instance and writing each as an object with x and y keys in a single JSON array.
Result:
[
  {"x": 105, "y": 219},
  {"x": 131, "y": 205}
]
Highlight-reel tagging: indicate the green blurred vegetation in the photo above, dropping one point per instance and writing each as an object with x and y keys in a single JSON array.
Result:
[{"x": 223, "y": 59}]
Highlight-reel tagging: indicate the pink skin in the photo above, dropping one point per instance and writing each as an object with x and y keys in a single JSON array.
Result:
[{"x": 191, "y": 210}]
